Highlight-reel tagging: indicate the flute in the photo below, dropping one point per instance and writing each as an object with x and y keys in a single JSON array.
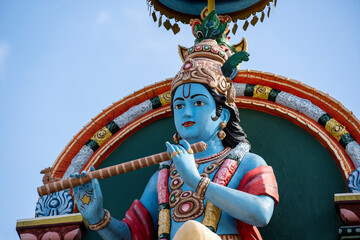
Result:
[{"x": 112, "y": 171}]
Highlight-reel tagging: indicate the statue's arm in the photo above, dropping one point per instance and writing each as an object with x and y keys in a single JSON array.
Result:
[
  {"x": 115, "y": 230},
  {"x": 252, "y": 209},
  {"x": 150, "y": 200},
  {"x": 137, "y": 220}
]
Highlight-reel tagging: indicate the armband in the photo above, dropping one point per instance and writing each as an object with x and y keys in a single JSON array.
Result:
[
  {"x": 202, "y": 187},
  {"x": 103, "y": 223}
]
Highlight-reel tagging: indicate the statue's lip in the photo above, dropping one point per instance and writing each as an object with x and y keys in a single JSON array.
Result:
[{"x": 188, "y": 123}]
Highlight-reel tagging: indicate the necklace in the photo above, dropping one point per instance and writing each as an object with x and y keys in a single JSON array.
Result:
[
  {"x": 212, "y": 213},
  {"x": 186, "y": 204}
]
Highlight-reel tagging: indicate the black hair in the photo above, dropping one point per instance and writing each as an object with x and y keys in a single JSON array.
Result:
[{"x": 234, "y": 132}]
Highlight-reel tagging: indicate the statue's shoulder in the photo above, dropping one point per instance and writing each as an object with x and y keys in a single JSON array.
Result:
[{"x": 251, "y": 161}]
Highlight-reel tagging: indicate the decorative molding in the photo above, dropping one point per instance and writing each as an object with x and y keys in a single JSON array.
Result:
[
  {"x": 337, "y": 151},
  {"x": 296, "y": 102},
  {"x": 67, "y": 227}
]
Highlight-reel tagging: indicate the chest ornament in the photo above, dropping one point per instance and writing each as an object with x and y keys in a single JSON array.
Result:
[
  {"x": 184, "y": 203},
  {"x": 189, "y": 205}
]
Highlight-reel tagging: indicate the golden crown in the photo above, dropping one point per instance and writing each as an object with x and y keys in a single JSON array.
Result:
[{"x": 203, "y": 64}]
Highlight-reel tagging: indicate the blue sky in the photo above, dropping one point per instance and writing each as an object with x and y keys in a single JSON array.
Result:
[{"x": 62, "y": 62}]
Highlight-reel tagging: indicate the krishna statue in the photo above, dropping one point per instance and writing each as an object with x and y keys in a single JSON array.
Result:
[{"x": 224, "y": 192}]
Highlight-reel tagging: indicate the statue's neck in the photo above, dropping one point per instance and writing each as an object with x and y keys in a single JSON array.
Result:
[{"x": 214, "y": 146}]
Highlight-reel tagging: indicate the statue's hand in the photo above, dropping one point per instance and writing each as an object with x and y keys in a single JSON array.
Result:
[
  {"x": 185, "y": 163},
  {"x": 89, "y": 199}
]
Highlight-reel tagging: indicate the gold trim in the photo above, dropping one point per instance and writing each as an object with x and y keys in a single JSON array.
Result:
[
  {"x": 165, "y": 98},
  {"x": 164, "y": 221},
  {"x": 211, "y": 5},
  {"x": 335, "y": 129},
  {"x": 261, "y": 92},
  {"x": 69, "y": 218},
  {"x": 212, "y": 215},
  {"x": 341, "y": 197},
  {"x": 101, "y": 136}
]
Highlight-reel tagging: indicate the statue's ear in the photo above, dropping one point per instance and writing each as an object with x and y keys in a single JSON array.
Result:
[{"x": 225, "y": 115}]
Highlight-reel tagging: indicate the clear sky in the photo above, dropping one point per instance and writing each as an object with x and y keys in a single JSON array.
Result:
[{"x": 62, "y": 62}]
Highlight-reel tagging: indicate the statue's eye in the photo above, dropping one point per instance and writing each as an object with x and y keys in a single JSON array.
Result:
[
  {"x": 199, "y": 34},
  {"x": 179, "y": 106},
  {"x": 199, "y": 103}
]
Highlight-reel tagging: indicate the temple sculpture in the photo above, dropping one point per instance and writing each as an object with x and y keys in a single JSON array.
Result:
[{"x": 214, "y": 178}]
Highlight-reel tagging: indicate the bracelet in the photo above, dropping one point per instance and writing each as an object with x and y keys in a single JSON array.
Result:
[
  {"x": 202, "y": 187},
  {"x": 103, "y": 223}
]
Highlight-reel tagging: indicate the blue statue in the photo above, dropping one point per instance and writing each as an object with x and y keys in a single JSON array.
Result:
[{"x": 224, "y": 192}]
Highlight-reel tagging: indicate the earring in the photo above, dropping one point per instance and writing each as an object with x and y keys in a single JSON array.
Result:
[
  {"x": 176, "y": 138},
  {"x": 221, "y": 134}
]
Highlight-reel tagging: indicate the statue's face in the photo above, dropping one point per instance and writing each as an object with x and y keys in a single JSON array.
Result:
[{"x": 193, "y": 108}]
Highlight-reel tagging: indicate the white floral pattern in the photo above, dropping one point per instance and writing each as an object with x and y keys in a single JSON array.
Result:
[
  {"x": 240, "y": 89},
  {"x": 299, "y": 104},
  {"x": 79, "y": 161},
  {"x": 133, "y": 113},
  {"x": 353, "y": 150}
]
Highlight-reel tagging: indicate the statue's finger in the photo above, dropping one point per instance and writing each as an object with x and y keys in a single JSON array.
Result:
[
  {"x": 97, "y": 190},
  {"x": 186, "y": 145},
  {"x": 76, "y": 175},
  {"x": 170, "y": 148},
  {"x": 83, "y": 173}
]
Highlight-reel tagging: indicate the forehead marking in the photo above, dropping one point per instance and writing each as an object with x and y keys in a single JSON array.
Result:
[{"x": 188, "y": 95}]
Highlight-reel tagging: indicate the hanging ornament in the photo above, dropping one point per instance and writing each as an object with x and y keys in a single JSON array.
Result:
[
  {"x": 268, "y": 13},
  {"x": 234, "y": 29},
  {"x": 175, "y": 28},
  {"x": 254, "y": 20},
  {"x": 154, "y": 16},
  {"x": 262, "y": 17},
  {"x": 160, "y": 19},
  {"x": 167, "y": 24},
  {"x": 246, "y": 24}
]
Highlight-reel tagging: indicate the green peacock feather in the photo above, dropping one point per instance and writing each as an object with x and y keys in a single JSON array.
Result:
[{"x": 213, "y": 28}]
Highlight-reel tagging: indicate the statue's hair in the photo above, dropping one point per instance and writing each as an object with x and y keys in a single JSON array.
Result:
[{"x": 234, "y": 132}]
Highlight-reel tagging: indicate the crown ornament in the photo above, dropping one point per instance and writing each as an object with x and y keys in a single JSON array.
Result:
[{"x": 212, "y": 60}]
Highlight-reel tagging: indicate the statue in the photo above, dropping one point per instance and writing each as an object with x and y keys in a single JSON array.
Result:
[{"x": 221, "y": 193}]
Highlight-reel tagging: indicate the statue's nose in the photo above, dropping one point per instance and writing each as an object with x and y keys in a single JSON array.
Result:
[{"x": 188, "y": 112}]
